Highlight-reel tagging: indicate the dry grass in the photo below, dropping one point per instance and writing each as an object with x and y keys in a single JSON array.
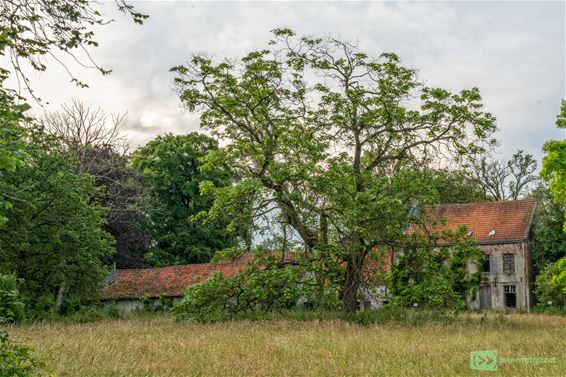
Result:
[{"x": 163, "y": 347}]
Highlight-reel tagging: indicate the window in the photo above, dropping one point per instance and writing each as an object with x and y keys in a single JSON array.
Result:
[
  {"x": 486, "y": 263},
  {"x": 510, "y": 296},
  {"x": 508, "y": 263}
]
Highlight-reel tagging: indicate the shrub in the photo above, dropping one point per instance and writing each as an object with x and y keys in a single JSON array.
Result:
[
  {"x": 437, "y": 277},
  {"x": 16, "y": 360},
  {"x": 266, "y": 285},
  {"x": 550, "y": 285},
  {"x": 11, "y": 306}
]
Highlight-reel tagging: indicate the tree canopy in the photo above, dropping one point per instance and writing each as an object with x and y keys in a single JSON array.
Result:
[
  {"x": 554, "y": 163},
  {"x": 172, "y": 167},
  {"x": 318, "y": 129},
  {"x": 53, "y": 238}
]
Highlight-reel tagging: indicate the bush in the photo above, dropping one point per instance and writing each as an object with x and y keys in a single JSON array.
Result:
[
  {"x": 550, "y": 285},
  {"x": 436, "y": 278},
  {"x": 16, "y": 360},
  {"x": 11, "y": 305},
  {"x": 405, "y": 316},
  {"x": 265, "y": 285}
]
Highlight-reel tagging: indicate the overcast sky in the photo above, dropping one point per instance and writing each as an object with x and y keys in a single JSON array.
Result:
[{"x": 513, "y": 51}]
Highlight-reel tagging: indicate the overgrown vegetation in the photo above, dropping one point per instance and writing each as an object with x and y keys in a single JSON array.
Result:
[
  {"x": 321, "y": 346},
  {"x": 16, "y": 359}
]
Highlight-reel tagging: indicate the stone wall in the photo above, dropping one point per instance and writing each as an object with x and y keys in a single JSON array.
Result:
[{"x": 496, "y": 279}]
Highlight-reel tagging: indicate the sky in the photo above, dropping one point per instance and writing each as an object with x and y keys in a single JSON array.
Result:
[{"x": 514, "y": 52}]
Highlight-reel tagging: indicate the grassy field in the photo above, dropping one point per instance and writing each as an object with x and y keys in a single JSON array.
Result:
[{"x": 162, "y": 347}]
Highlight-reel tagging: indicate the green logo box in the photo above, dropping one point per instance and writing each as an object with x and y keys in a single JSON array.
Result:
[{"x": 484, "y": 360}]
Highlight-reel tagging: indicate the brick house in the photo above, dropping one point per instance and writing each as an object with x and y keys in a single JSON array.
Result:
[
  {"x": 127, "y": 287},
  {"x": 500, "y": 229},
  {"x": 501, "y": 232}
]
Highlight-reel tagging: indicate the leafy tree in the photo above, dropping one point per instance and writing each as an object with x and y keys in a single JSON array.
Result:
[
  {"x": 511, "y": 180},
  {"x": 53, "y": 238},
  {"x": 267, "y": 284},
  {"x": 31, "y": 31},
  {"x": 550, "y": 285},
  {"x": 548, "y": 240},
  {"x": 455, "y": 186},
  {"x": 11, "y": 305},
  {"x": 172, "y": 165},
  {"x": 554, "y": 163},
  {"x": 12, "y": 147},
  {"x": 93, "y": 138},
  {"x": 319, "y": 129}
]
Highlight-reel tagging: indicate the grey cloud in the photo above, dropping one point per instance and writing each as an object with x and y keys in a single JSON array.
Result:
[{"x": 513, "y": 51}]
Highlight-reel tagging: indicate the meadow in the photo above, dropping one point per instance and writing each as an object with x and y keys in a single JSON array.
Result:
[{"x": 161, "y": 346}]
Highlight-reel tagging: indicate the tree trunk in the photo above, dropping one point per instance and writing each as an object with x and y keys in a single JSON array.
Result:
[
  {"x": 59, "y": 298},
  {"x": 323, "y": 230},
  {"x": 352, "y": 283}
]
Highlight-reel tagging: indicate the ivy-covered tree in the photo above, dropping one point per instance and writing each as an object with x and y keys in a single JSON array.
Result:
[
  {"x": 319, "y": 130},
  {"x": 172, "y": 168},
  {"x": 554, "y": 163},
  {"x": 53, "y": 238},
  {"x": 433, "y": 270}
]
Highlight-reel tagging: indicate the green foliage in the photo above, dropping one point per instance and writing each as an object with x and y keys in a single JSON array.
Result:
[
  {"x": 172, "y": 166},
  {"x": 550, "y": 285},
  {"x": 65, "y": 25},
  {"x": 554, "y": 163},
  {"x": 328, "y": 136},
  {"x": 16, "y": 359},
  {"x": 11, "y": 305},
  {"x": 12, "y": 147},
  {"x": 455, "y": 186},
  {"x": 437, "y": 276},
  {"x": 53, "y": 238},
  {"x": 548, "y": 240},
  {"x": 267, "y": 284}
]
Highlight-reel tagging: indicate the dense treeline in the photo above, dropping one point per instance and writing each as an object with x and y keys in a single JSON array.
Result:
[{"x": 313, "y": 149}]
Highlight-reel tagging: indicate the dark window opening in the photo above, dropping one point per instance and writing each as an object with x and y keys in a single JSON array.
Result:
[
  {"x": 510, "y": 296},
  {"x": 486, "y": 263},
  {"x": 508, "y": 263}
]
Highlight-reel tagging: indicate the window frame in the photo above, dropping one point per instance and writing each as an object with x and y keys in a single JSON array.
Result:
[{"x": 508, "y": 267}]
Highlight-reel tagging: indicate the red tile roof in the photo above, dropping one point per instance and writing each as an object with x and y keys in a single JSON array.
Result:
[
  {"x": 510, "y": 220},
  {"x": 166, "y": 281}
]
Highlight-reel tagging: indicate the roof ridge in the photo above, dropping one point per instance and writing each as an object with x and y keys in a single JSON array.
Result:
[{"x": 488, "y": 203}]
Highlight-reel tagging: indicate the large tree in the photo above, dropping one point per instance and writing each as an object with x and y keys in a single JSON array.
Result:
[
  {"x": 548, "y": 242},
  {"x": 505, "y": 180},
  {"x": 93, "y": 138},
  {"x": 172, "y": 168},
  {"x": 319, "y": 129},
  {"x": 554, "y": 163},
  {"x": 53, "y": 238},
  {"x": 31, "y": 31}
]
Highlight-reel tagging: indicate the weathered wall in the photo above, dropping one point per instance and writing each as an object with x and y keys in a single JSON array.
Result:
[
  {"x": 129, "y": 305},
  {"x": 496, "y": 278}
]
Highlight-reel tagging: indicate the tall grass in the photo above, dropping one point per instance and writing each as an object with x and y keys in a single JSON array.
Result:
[{"x": 300, "y": 346}]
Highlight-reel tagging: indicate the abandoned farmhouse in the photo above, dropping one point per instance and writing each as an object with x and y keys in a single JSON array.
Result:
[{"x": 500, "y": 230}]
